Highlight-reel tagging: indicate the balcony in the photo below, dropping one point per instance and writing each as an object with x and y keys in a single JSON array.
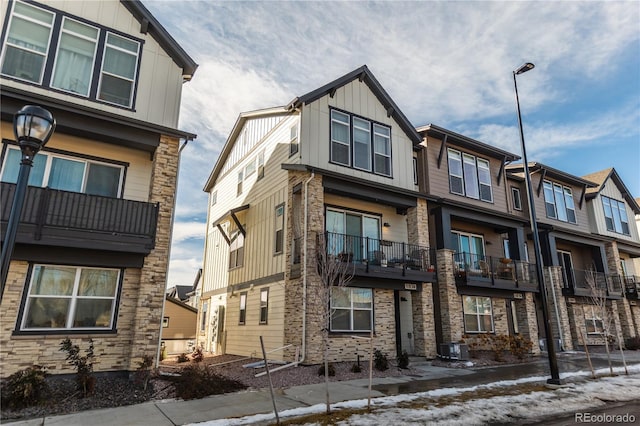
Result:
[
  {"x": 588, "y": 283},
  {"x": 630, "y": 283},
  {"x": 494, "y": 272},
  {"x": 69, "y": 219},
  {"x": 375, "y": 258}
]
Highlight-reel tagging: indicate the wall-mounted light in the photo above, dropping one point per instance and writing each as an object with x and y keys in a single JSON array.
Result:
[{"x": 386, "y": 225}]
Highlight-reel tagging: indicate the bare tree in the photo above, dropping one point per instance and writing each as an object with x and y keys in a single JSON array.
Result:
[{"x": 335, "y": 269}]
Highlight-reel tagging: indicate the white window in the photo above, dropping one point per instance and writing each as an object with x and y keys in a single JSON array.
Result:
[
  {"x": 340, "y": 140},
  {"x": 204, "y": 315},
  {"x": 352, "y": 309},
  {"x": 165, "y": 322},
  {"x": 71, "y": 297},
  {"x": 260, "y": 165},
  {"x": 415, "y": 171},
  {"x": 243, "y": 308},
  {"x": 236, "y": 250},
  {"x": 279, "y": 229},
  {"x": 119, "y": 69},
  {"x": 27, "y": 42},
  {"x": 250, "y": 168},
  {"x": 559, "y": 202},
  {"x": 68, "y": 62},
  {"x": 214, "y": 198},
  {"x": 66, "y": 173},
  {"x": 615, "y": 215},
  {"x": 469, "y": 176},
  {"x": 293, "y": 140},
  {"x": 73, "y": 67},
  {"x": 382, "y": 150},
  {"x": 478, "y": 314},
  {"x": 240, "y": 180},
  {"x": 592, "y": 320},
  {"x": 515, "y": 195},
  {"x": 264, "y": 305},
  {"x": 361, "y": 144}
]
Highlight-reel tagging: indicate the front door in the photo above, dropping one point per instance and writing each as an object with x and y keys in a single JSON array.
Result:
[{"x": 406, "y": 322}]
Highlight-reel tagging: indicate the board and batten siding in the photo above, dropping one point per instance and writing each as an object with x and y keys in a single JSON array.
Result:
[
  {"x": 138, "y": 173},
  {"x": 262, "y": 195},
  {"x": 245, "y": 339},
  {"x": 596, "y": 213},
  {"x": 159, "y": 89},
  {"x": 356, "y": 98},
  {"x": 438, "y": 184}
]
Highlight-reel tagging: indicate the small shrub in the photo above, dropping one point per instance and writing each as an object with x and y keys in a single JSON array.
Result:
[
  {"x": 183, "y": 358},
  {"x": 83, "y": 365},
  {"x": 380, "y": 361},
  {"x": 196, "y": 382},
  {"x": 520, "y": 346},
  {"x": 144, "y": 372},
  {"x": 332, "y": 370},
  {"x": 403, "y": 360},
  {"x": 25, "y": 388},
  {"x": 632, "y": 343},
  {"x": 197, "y": 355},
  {"x": 355, "y": 368}
]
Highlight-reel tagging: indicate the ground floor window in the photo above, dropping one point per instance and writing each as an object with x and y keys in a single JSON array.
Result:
[
  {"x": 593, "y": 320},
  {"x": 70, "y": 297},
  {"x": 478, "y": 315},
  {"x": 352, "y": 309}
]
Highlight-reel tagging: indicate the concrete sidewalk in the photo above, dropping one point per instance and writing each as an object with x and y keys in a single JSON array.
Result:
[{"x": 178, "y": 412}]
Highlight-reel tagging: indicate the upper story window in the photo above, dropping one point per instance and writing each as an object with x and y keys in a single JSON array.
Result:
[
  {"x": 415, "y": 171},
  {"x": 70, "y": 298},
  {"x": 293, "y": 140},
  {"x": 48, "y": 48},
  {"x": 67, "y": 173},
  {"x": 240, "y": 180},
  {"x": 558, "y": 202},
  {"x": 260, "y": 165},
  {"x": 360, "y": 143},
  {"x": 469, "y": 176},
  {"x": 214, "y": 198},
  {"x": 615, "y": 216},
  {"x": 515, "y": 195},
  {"x": 236, "y": 250},
  {"x": 279, "y": 229},
  {"x": 264, "y": 305}
]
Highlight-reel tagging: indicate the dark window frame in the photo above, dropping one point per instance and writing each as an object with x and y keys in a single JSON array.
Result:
[
  {"x": 264, "y": 307},
  {"x": 516, "y": 198},
  {"x": 464, "y": 184},
  {"x": 242, "y": 311}
]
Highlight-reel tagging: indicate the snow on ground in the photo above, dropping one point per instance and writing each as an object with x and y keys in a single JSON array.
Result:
[{"x": 569, "y": 399}]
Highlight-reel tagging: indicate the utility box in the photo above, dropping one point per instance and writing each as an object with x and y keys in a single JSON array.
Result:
[{"x": 454, "y": 351}]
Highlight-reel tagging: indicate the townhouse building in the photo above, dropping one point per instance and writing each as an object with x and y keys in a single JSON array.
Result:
[
  {"x": 478, "y": 224},
  {"x": 333, "y": 170},
  {"x": 92, "y": 245}
]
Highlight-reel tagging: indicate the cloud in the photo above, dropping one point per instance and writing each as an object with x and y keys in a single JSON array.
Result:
[{"x": 187, "y": 230}]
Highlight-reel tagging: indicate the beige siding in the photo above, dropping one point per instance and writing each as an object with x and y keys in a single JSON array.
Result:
[
  {"x": 356, "y": 98},
  {"x": 138, "y": 173},
  {"x": 438, "y": 182},
  {"x": 245, "y": 339},
  {"x": 182, "y": 322},
  {"x": 596, "y": 213},
  {"x": 159, "y": 80}
]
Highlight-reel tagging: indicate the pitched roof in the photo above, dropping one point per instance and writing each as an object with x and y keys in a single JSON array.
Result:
[
  {"x": 552, "y": 173},
  {"x": 179, "y": 292},
  {"x": 365, "y": 75},
  {"x": 467, "y": 142},
  {"x": 148, "y": 23},
  {"x": 601, "y": 177}
]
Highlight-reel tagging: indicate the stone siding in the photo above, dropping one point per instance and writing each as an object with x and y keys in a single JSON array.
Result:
[
  {"x": 558, "y": 307},
  {"x": 451, "y": 315},
  {"x": 424, "y": 328}
]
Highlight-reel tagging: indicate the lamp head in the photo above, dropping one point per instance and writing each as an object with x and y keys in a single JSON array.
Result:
[
  {"x": 33, "y": 126},
  {"x": 524, "y": 68}
]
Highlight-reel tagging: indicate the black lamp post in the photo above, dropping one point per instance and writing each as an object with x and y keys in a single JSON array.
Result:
[
  {"x": 551, "y": 350},
  {"x": 33, "y": 126}
]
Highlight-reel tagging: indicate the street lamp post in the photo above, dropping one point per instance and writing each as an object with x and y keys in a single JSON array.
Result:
[
  {"x": 551, "y": 350},
  {"x": 33, "y": 126}
]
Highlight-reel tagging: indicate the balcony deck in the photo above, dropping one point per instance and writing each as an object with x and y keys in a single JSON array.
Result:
[
  {"x": 495, "y": 273},
  {"x": 68, "y": 219},
  {"x": 588, "y": 283}
]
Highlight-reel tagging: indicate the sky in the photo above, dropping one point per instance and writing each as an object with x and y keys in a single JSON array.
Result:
[
  {"x": 521, "y": 407},
  {"x": 447, "y": 63}
]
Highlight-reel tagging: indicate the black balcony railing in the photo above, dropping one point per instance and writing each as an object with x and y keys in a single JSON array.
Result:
[
  {"x": 592, "y": 283},
  {"x": 377, "y": 253},
  {"x": 630, "y": 284},
  {"x": 48, "y": 209},
  {"x": 488, "y": 271}
]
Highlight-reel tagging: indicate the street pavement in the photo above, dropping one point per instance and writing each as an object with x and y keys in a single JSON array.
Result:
[{"x": 245, "y": 403}]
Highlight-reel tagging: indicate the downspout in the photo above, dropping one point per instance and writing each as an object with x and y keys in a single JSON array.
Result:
[
  {"x": 304, "y": 270},
  {"x": 173, "y": 216}
]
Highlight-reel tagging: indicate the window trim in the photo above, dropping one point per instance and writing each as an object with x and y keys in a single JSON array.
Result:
[
  {"x": 264, "y": 307},
  {"x": 214, "y": 198},
  {"x": 478, "y": 315},
  {"x": 242, "y": 309},
  {"x": 593, "y": 319},
  {"x": 469, "y": 164},
  {"x": 351, "y": 311},
  {"x": 46, "y": 77},
  {"x": 294, "y": 146},
  {"x": 236, "y": 252},
  {"x": 279, "y": 227},
  {"x": 260, "y": 161},
  {"x": 620, "y": 207},
  {"x": 515, "y": 198},
  {"x": 240, "y": 181},
  {"x": 351, "y": 117},
  {"x": 203, "y": 315},
  {"x": 165, "y": 322},
  {"x": 552, "y": 189},
  {"x": 21, "y": 318}
]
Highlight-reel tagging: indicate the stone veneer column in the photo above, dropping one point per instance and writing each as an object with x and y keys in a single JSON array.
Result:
[
  {"x": 153, "y": 276},
  {"x": 623, "y": 309},
  {"x": 418, "y": 223},
  {"x": 424, "y": 322},
  {"x": 527, "y": 320},
  {"x": 553, "y": 280},
  {"x": 451, "y": 317}
]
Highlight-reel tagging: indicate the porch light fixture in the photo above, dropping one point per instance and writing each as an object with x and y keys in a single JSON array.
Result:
[
  {"x": 32, "y": 126},
  {"x": 550, "y": 346}
]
